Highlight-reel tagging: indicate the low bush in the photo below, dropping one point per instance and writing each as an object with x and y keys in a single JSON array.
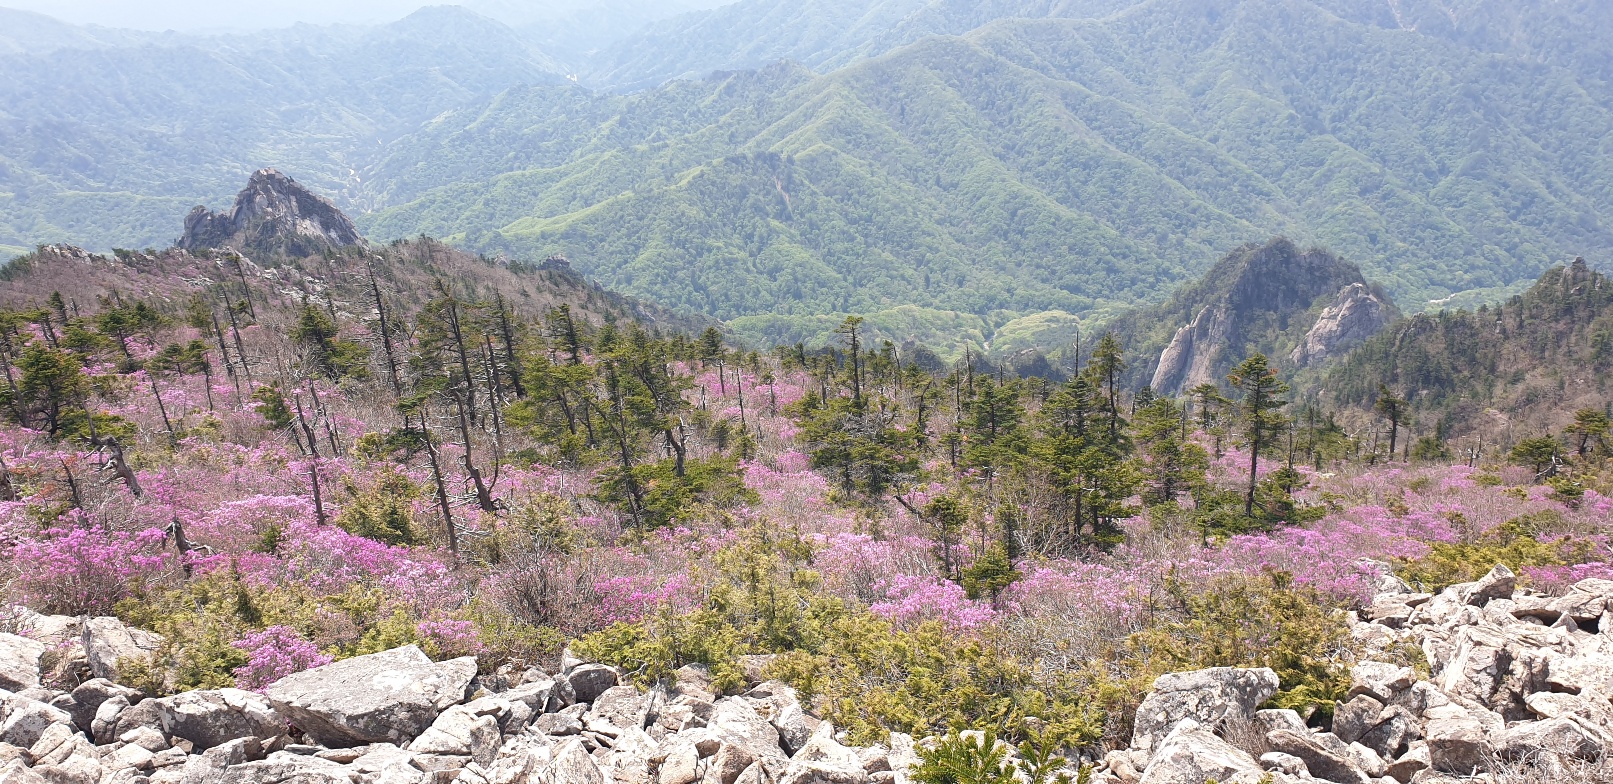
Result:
[{"x": 1520, "y": 543}]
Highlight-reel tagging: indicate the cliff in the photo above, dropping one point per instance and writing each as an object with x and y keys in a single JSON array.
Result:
[{"x": 273, "y": 215}]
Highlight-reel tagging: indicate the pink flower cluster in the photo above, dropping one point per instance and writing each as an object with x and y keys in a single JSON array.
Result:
[
  {"x": 84, "y": 570},
  {"x": 632, "y": 599},
  {"x": 273, "y": 654},
  {"x": 913, "y": 599}
]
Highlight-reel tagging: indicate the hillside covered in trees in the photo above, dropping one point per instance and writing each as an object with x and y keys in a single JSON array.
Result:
[
  {"x": 1034, "y": 165},
  {"x": 267, "y": 463},
  {"x": 1521, "y": 368},
  {"x": 1038, "y": 158}
]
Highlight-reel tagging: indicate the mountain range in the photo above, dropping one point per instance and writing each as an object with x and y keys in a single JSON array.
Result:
[{"x": 999, "y": 165}]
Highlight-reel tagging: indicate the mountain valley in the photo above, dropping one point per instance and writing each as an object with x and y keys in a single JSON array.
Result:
[{"x": 1018, "y": 392}]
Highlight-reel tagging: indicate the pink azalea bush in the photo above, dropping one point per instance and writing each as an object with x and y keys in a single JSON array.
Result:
[
  {"x": 84, "y": 570},
  {"x": 912, "y": 599},
  {"x": 273, "y": 654}
]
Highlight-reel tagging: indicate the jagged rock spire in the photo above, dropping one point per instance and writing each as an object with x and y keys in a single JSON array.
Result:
[{"x": 272, "y": 215}]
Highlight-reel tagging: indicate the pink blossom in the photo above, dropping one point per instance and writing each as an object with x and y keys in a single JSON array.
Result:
[
  {"x": 273, "y": 654},
  {"x": 85, "y": 570},
  {"x": 914, "y": 599}
]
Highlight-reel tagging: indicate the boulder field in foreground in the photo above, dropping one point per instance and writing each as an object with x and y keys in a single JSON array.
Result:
[{"x": 1516, "y": 680}]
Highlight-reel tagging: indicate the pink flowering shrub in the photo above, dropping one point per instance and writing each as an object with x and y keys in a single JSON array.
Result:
[
  {"x": 273, "y": 654},
  {"x": 857, "y": 566},
  {"x": 632, "y": 599},
  {"x": 76, "y": 571},
  {"x": 1557, "y": 580},
  {"x": 911, "y": 600},
  {"x": 449, "y": 639}
]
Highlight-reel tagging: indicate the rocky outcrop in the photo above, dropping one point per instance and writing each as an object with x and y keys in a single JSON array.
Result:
[
  {"x": 108, "y": 642},
  {"x": 208, "y": 719},
  {"x": 1357, "y": 313},
  {"x": 1194, "y": 354},
  {"x": 390, "y": 696},
  {"x": 395, "y": 717},
  {"x": 19, "y": 662},
  {"x": 272, "y": 215},
  {"x": 1260, "y": 298},
  {"x": 1517, "y": 689},
  {"x": 1207, "y": 697}
]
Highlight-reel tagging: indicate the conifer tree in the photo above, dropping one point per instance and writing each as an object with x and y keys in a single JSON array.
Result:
[
  {"x": 1170, "y": 463},
  {"x": 1393, "y": 408},
  {"x": 1261, "y": 408}
]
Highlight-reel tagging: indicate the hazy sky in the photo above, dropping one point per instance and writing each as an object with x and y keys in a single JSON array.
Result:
[{"x": 200, "y": 15}]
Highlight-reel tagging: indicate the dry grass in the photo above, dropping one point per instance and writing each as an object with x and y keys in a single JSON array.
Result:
[
  {"x": 1245, "y": 735},
  {"x": 1539, "y": 768}
]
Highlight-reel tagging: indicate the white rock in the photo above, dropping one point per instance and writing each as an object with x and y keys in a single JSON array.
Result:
[
  {"x": 390, "y": 696},
  {"x": 1208, "y": 697},
  {"x": 107, "y": 641},
  {"x": 212, "y": 718},
  {"x": 19, "y": 662},
  {"x": 23, "y": 721},
  {"x": 1193, "y": 755}
]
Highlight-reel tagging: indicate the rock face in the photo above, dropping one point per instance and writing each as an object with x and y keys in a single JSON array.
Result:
[
  {"x": 19, "y": 662},
  {"x": 1518, "y": 689},
  {"x": 1194, "y": 355},
  {"x": 397, "y": 718},
  {"x": 273, "y": 215},
  {"x": 1355, "y": 315},
  {"x": 390, "y": 696},
  {"x": 213, "y": 718},
  {"x": 1256, "y": 296},
  {"x": 1191, "y": 754},
  {"x": 1207, "y": 697},
  {"x": 107, "y": 641}
]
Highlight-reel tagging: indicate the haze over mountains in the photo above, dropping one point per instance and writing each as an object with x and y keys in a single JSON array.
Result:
[{"x": 973, "y": 163}]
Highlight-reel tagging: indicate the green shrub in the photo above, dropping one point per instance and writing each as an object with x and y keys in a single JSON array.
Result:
[
  {"x": 383, "y": 512},
  {"x": 1249, "y": 621},
  {"x": 980, "y": 758},
  {"x": 857, "y": 670},
  {"x": 1518, "y": 543}
]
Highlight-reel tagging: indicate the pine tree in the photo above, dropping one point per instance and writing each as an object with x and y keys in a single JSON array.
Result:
[
  {"x": 1261, "y": 408},
  {"x": 1170, "y": 463},
  {"x": 1590, "y": 426},
  {"x": 1392, "y": 408}
]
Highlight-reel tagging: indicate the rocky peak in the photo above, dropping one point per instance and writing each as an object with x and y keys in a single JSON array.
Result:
[
  {"x": 1357, "y": 313},
  {"x": 272, "y": 215},
  {"x": 1261, "y": 296}
]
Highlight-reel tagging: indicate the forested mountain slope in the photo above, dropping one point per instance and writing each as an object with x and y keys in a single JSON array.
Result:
[
  {"x": 1036, "y": 164},
  {"x": 1570, "y": 34},
  {"x": 1518, "y": 369},
  {"x": 743, "y": 35},
  {"x": 1039, "y": 163},
  {"x": 103, "y": 145},
  {"x": 823, "y": 34}
]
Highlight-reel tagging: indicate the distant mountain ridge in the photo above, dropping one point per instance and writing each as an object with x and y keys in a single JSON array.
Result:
[
  {"x": 100, "y": 146},
  {"x": 984, "y": 162},
  {"x": 1034, "y": 165},
  {"x": 26, "y": 32},
  {"x": 822, "y": 34}
]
